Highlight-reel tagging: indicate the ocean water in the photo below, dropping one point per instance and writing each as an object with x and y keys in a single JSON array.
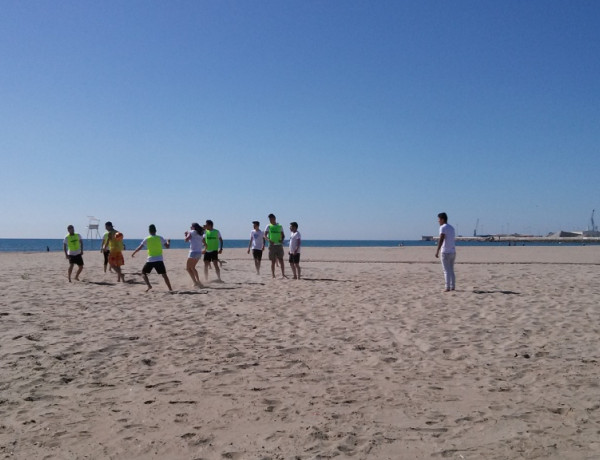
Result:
[{"x": 43, "y": 245}]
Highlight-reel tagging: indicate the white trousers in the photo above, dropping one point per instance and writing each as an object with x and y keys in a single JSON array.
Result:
[{"x": 448, "y": 266}]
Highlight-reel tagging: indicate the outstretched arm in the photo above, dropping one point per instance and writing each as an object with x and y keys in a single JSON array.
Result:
[{"x": 137, "y": 249}]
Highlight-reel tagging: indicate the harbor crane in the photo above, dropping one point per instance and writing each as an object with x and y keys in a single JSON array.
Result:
[
  {"x": 476, "y": 225},
  {"x": 593, "y": 228}
]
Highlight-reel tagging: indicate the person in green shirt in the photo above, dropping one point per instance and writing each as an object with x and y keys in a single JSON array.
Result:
[
  {"x": 213, "y": 246},
  {"x": 275, "y": 236},
  {"x": 73, "y": 247},
  {"x": 154, "y": 244}
]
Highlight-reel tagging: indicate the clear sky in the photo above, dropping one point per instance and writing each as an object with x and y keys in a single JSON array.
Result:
[{"x": 358, "y": 119}]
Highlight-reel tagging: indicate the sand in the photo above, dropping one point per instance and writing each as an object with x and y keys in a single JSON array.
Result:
[{"x": 365, "y": 358}]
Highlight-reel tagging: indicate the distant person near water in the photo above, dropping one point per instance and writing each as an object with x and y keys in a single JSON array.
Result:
[
  {"x": 213, "y": 246},
  {"x": 155, "y": 261},
  {"x": 446, "y": 245},
  {"x": 257, "y": 244},
  {"x": 275, "y": 236},
  {"x": 114, "y": 242},
  {"x": 194, "y": 237},
  {"x": 73, "y": 247},
  {"x": 295, "y": 244}
]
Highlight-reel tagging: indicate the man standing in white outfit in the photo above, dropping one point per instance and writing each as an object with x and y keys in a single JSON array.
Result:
[{"x": 447, "y": 246}]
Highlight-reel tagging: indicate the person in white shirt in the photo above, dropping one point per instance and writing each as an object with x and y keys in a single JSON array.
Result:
[
  {"x": 257, "y": 244},
  {"x": 295, "y": 244},
  {"x": 194, "y": 237},
  {"x": 446, "y": 245}
]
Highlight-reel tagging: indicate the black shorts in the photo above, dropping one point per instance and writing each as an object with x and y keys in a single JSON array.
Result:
[
  {"x": 257, "y": 254},
  {"x": 106, "y": 253},
  {"x": 295, "y": 258},
  {"x": 158, "y": 266},
  {"x": 77, "y": 260},
  {"x": 211, "y": 256}
]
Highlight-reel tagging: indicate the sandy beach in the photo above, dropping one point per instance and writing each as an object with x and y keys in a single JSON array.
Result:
[{"x": 364, "y": 358}]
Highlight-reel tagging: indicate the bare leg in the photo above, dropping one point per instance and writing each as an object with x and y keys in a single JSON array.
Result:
[
  {"x": 196, "y": 274},
  {"x": 206, "y": 265},
  {"x": 295, "y": 270},
  {"x": 147, "y": 281},
  {"x": 69, "y": 271},
  {"x": 166, "y": 278},
  {"x": 217, "y": 269},
  {"x": 120, "y": 275},
  {"x": 282, "y": 265},
  {"x": 191, "y": 269},
  {"x": 273, "y": 267},
  {"x": 79, "y": 270}
]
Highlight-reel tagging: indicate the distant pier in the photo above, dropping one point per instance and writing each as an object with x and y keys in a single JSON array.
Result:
[{"x": 520, "y": 239}]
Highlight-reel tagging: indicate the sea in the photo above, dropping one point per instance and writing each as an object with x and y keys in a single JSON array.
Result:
[{"x": 50, "y": 245}]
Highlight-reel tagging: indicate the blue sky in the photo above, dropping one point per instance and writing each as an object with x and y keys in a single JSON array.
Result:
[{"x": 358, "y": 119}]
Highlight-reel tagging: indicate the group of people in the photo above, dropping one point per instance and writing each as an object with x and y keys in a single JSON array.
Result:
[
  {"x": 274, "y": 235},
  {"x": 205, "y": 242}
]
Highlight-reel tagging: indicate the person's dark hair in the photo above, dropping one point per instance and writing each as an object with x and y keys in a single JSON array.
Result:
[
  {"x": 209, "y": 222},
  {"x": 443, "y": 216},
  {"x": 255, "y": 222},
  {"x": 109, "y": 223},
  {"x": 152, "y": 228},
  {"x": 271, "y": 215},
  {"x": 196, "y": 226},
  {"x": 294, "y": 224}
]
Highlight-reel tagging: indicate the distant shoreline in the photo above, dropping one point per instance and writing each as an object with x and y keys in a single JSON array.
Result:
[{"x": 55, "y": 244}]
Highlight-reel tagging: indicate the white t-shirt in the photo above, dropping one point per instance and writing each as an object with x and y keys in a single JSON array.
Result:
[
  {"x": 196, "y": 242},
  {"x": 448, "y": 246},
  {"x": 295, "y": 241},
  {"x": 258, "y": 238}
]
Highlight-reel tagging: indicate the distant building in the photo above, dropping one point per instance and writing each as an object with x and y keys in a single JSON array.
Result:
[
  {"x": 563, "y": 234},
  {"x": 591, "y": 234}
]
